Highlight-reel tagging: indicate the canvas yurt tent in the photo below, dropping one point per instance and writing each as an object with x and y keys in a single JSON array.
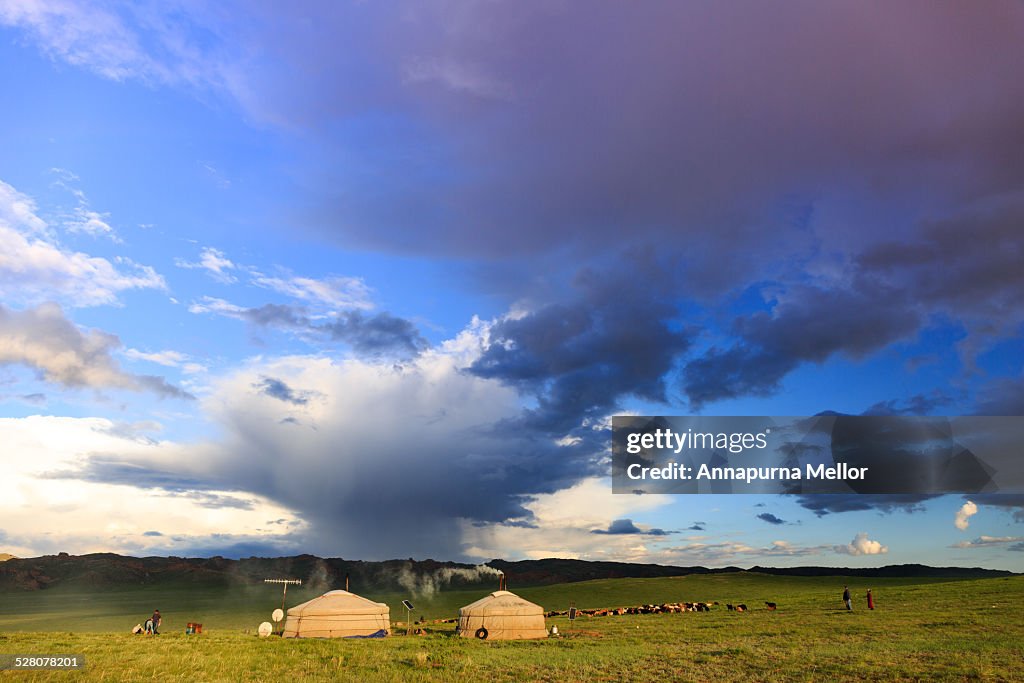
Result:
[
  {"x": 502, "y": 616},
  {"x": 338, "y": 614}
]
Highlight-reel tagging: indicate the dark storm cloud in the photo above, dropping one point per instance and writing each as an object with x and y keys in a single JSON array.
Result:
[
  {"x": 870, "y": 157},
  {"x": 965, "y": 268},
  {"x": 807, "y": 324},
  {"x": 1004, "y": 396},
  {"x": 863, "y": 161},
  {"x": 739, "y": 371},
  {"x": 511, "y": 523},
  {"x": 397, "y": 480},
  {"x": 368, "y": 335},
  {"x": 970, "y": 260},
  {"x": 383, "y": 475},
  {"x": 281, "y": 391},
  {"x": 919, "y": 404},
  {"x": 276, "y": 315},
  {"x": 374, "y": 334},
  {"x": 770, "y": 518},
  {"x": 616, "y": 338},
  {"x": 1013, "y": 502},
  {"x": 751, "y": 143},
  {"x": 626, "y": 527},
  {"x": 697, "y": 526},
  {"x": 824, "y": 504},
  {"x": 663, "y": 118},
  {"x": 1007, "y": 499},
  {"x": 112, "y": 469}
]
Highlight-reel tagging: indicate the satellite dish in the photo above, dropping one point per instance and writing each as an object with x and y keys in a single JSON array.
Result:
[
  {"x": 265, "y": 629},
  {"x": 278, "y": 615}
]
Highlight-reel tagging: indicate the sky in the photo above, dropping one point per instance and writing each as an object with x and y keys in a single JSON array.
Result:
[{"x": 369, "y": 280}]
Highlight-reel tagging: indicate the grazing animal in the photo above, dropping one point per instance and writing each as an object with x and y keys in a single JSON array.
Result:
[
  {"x": 741, "y": 608},
  {"x": 771, "y": 606},
  {"x": 731, "y": 608}
]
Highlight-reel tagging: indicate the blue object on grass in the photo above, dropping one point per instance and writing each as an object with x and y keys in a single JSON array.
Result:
[{"x": 376, "y": 634}]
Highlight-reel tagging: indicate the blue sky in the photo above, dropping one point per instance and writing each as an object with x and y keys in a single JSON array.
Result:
[{"x": 369, "y": 280}]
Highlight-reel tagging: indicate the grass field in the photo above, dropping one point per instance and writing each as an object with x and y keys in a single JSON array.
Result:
[{"x": 921, "y": 630}]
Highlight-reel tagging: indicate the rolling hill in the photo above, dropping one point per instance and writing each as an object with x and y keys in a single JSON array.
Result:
[{"x": 108, "y": 571}]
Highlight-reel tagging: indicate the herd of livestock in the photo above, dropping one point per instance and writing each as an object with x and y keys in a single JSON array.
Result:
[{"x": 664, "y": 608}]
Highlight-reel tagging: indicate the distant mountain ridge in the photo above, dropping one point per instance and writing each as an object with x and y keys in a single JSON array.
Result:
[
  {"x": 108, "y": 571},
  {"x": 888, "y": 571}
]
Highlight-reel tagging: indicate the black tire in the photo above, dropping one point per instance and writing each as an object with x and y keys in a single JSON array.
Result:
[{"x": 481, "y": 633}]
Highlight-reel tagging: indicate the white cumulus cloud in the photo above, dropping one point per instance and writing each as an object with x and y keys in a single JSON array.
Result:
[
  {"x": 170, "y": 359},
  {"x": 561, "y": 524},
  {"x": 18, "y": 210},
  {"x": 214, "y": 262},
  {"x": 45, "y": 511},
  {"x": 211, "y": 304},
  {"x": 119, "y": 41},
  {"x": 862, "y": 545},
  {"x": 991, "y": 542},
  {"x": 333, "y": 292},
  {"x": 966, "y": 511},
  {"x": 90, "y": 222},
  {"x": 45, "y": 340},
  {"x": 33, "y": 268}
]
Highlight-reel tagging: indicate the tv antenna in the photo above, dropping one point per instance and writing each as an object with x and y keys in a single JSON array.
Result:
[{"x": 286, "y": 583}]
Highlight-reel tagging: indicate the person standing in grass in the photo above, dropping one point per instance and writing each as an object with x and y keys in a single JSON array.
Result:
[
  {"x": 846, "y": 598},
  {"x": 156, "y": 622},
  {"x": 871, "y": 600}
]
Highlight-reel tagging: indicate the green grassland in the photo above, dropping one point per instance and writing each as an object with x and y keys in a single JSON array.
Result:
[{"x": 921, "y": 630}]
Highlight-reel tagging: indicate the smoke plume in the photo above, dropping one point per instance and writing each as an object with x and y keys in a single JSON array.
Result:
[{"x": 427, "y": 584}]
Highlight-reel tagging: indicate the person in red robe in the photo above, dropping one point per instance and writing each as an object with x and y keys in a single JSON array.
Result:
[{"x": 871, "y": 600}]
